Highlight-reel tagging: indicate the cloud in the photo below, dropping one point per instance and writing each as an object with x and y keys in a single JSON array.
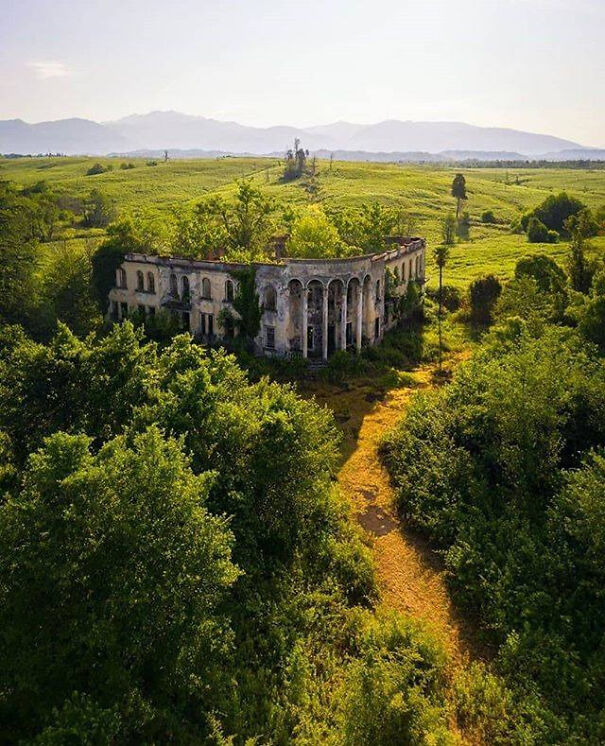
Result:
[{"x": 50, "y": 69}]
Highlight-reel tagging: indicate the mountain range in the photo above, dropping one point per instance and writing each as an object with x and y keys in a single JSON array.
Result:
[{"x": 181, "y": 132}]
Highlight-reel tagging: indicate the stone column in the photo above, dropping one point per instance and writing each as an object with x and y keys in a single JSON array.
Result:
[
  {"x": 343, "y": 331},
  {"x": 324, "y": 325},
  {"x": 359, "y": 320},
  {"x": 305, "y": 320}
]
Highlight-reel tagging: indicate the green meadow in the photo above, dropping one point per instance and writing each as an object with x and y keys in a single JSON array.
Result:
[{"x": 423, "y": 191}]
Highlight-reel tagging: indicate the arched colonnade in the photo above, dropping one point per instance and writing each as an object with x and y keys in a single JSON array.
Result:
[{"x": 332, "y": 314}]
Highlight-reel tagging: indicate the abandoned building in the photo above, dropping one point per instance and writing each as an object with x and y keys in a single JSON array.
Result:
[{"x": 310, "y": 307}]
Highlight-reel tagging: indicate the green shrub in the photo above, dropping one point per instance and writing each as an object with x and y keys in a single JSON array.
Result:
[
  {"x": 537, "y": 232},
  {"x": 483, "y": 294},
  {"x": 97, "y": 168},
  {"x": 488, "y": 217}
]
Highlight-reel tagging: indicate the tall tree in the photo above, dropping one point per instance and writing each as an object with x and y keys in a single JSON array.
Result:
[
  {"x": 459, "y": 192},
  {"x": 125, "y": 586}
]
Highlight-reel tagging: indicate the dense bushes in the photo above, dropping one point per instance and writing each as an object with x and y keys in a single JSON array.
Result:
[
  {"x": 124, "y": 589},
  {"x": 497, "y": 469},
  {"x": 537, "y": 232},
  {"x": 144, "y": 603},
  {"x": 483, "y": 294},
  {"x": 554, "y": 212}
]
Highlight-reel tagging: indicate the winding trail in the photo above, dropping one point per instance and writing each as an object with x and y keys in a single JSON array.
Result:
[{"x": 411, "y": 576}]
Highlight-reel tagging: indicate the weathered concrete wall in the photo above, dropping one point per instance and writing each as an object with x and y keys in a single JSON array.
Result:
[{"x": 321, "y": 286}]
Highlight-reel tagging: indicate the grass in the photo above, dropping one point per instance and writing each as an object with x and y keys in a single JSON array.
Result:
[{"x": 422, "y": 191}]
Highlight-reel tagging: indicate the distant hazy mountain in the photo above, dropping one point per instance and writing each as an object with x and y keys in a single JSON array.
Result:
[
  {"x": 71, "y": 136},
  {"x": 172, "y": 130}
]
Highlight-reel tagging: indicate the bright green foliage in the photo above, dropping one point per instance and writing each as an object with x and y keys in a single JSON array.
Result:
[
  {"x": 554, "y": 212},
  {"x": 66, "y": 291},
  {"x": 592, "y": 315},
  {"x": 201, "y": 234},
  {"x": 579, "y": 268},
  {"x": 71, "y": 385},
  {"x": 122, "y": 238},
  {"x": 549, "y": 277},
  {"x": 394, "y": 692},
  {"x": 271, "y": 456},
  {"x": 98, "y": 211},
  {"x": 247, "y": 223},
  {"x": 124, "y": 588},
  {"x": 479, "y": 467},
  {"x": 17, "y": 255},
  {"x": 314, "y": 236}
]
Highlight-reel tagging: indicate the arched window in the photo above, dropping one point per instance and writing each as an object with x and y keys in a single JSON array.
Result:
[
  {"x": 270, "y": 299},
  {"x": 377, "y": 289},
  {"x": 121, "y": 278},
  {"x": 150, "y": 282},
  {"x": 174, "y": 287},
  {"x": 140, "y": 281},
  {"x": 185, "y": 286},
  {"x": 229, "y": 291},
  {"x": 206, "y": 289}
]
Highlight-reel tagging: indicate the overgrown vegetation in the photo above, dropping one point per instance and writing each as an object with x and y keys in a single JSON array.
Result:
[{"x": 503, "y": 470}]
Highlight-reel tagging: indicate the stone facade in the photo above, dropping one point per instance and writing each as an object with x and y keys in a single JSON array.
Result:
[{"x": 311, "y": 307}]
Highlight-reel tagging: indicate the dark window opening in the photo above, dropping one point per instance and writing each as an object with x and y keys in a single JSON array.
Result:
[
  {"x": 310, "y": 338},
  {"x": 270, "y": 337}
]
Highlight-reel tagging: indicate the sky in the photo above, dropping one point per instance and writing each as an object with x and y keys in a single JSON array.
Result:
[{"x": 536, "y": 65}]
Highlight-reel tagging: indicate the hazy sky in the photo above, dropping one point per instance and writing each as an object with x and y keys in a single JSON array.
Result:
[{"x": 537, "y": 65}]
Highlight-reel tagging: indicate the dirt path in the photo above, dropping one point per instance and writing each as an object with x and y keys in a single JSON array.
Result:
[{"x": 411, "y": 575}]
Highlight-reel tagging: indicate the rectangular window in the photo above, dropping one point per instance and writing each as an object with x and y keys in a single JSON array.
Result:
[
  {"x": 270, "y": 337},
  {"x": 210, "y": 321},
  {"x": 310, "y": 338}
]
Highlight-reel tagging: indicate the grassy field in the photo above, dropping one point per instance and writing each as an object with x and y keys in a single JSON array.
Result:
[{"x": 154, "y": 192}]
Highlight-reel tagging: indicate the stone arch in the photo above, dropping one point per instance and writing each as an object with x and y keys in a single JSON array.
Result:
[
  {"x": 354, "y": 328},
  {"x": 368, "y": 308},
  {"x": 229, "y": 291},
  {"x": 295, "y": 315},
  {"x": 315, "y": 332}
]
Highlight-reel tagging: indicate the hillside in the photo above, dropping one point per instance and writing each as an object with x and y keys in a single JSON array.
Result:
[{"x": 154, "y": 193}]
